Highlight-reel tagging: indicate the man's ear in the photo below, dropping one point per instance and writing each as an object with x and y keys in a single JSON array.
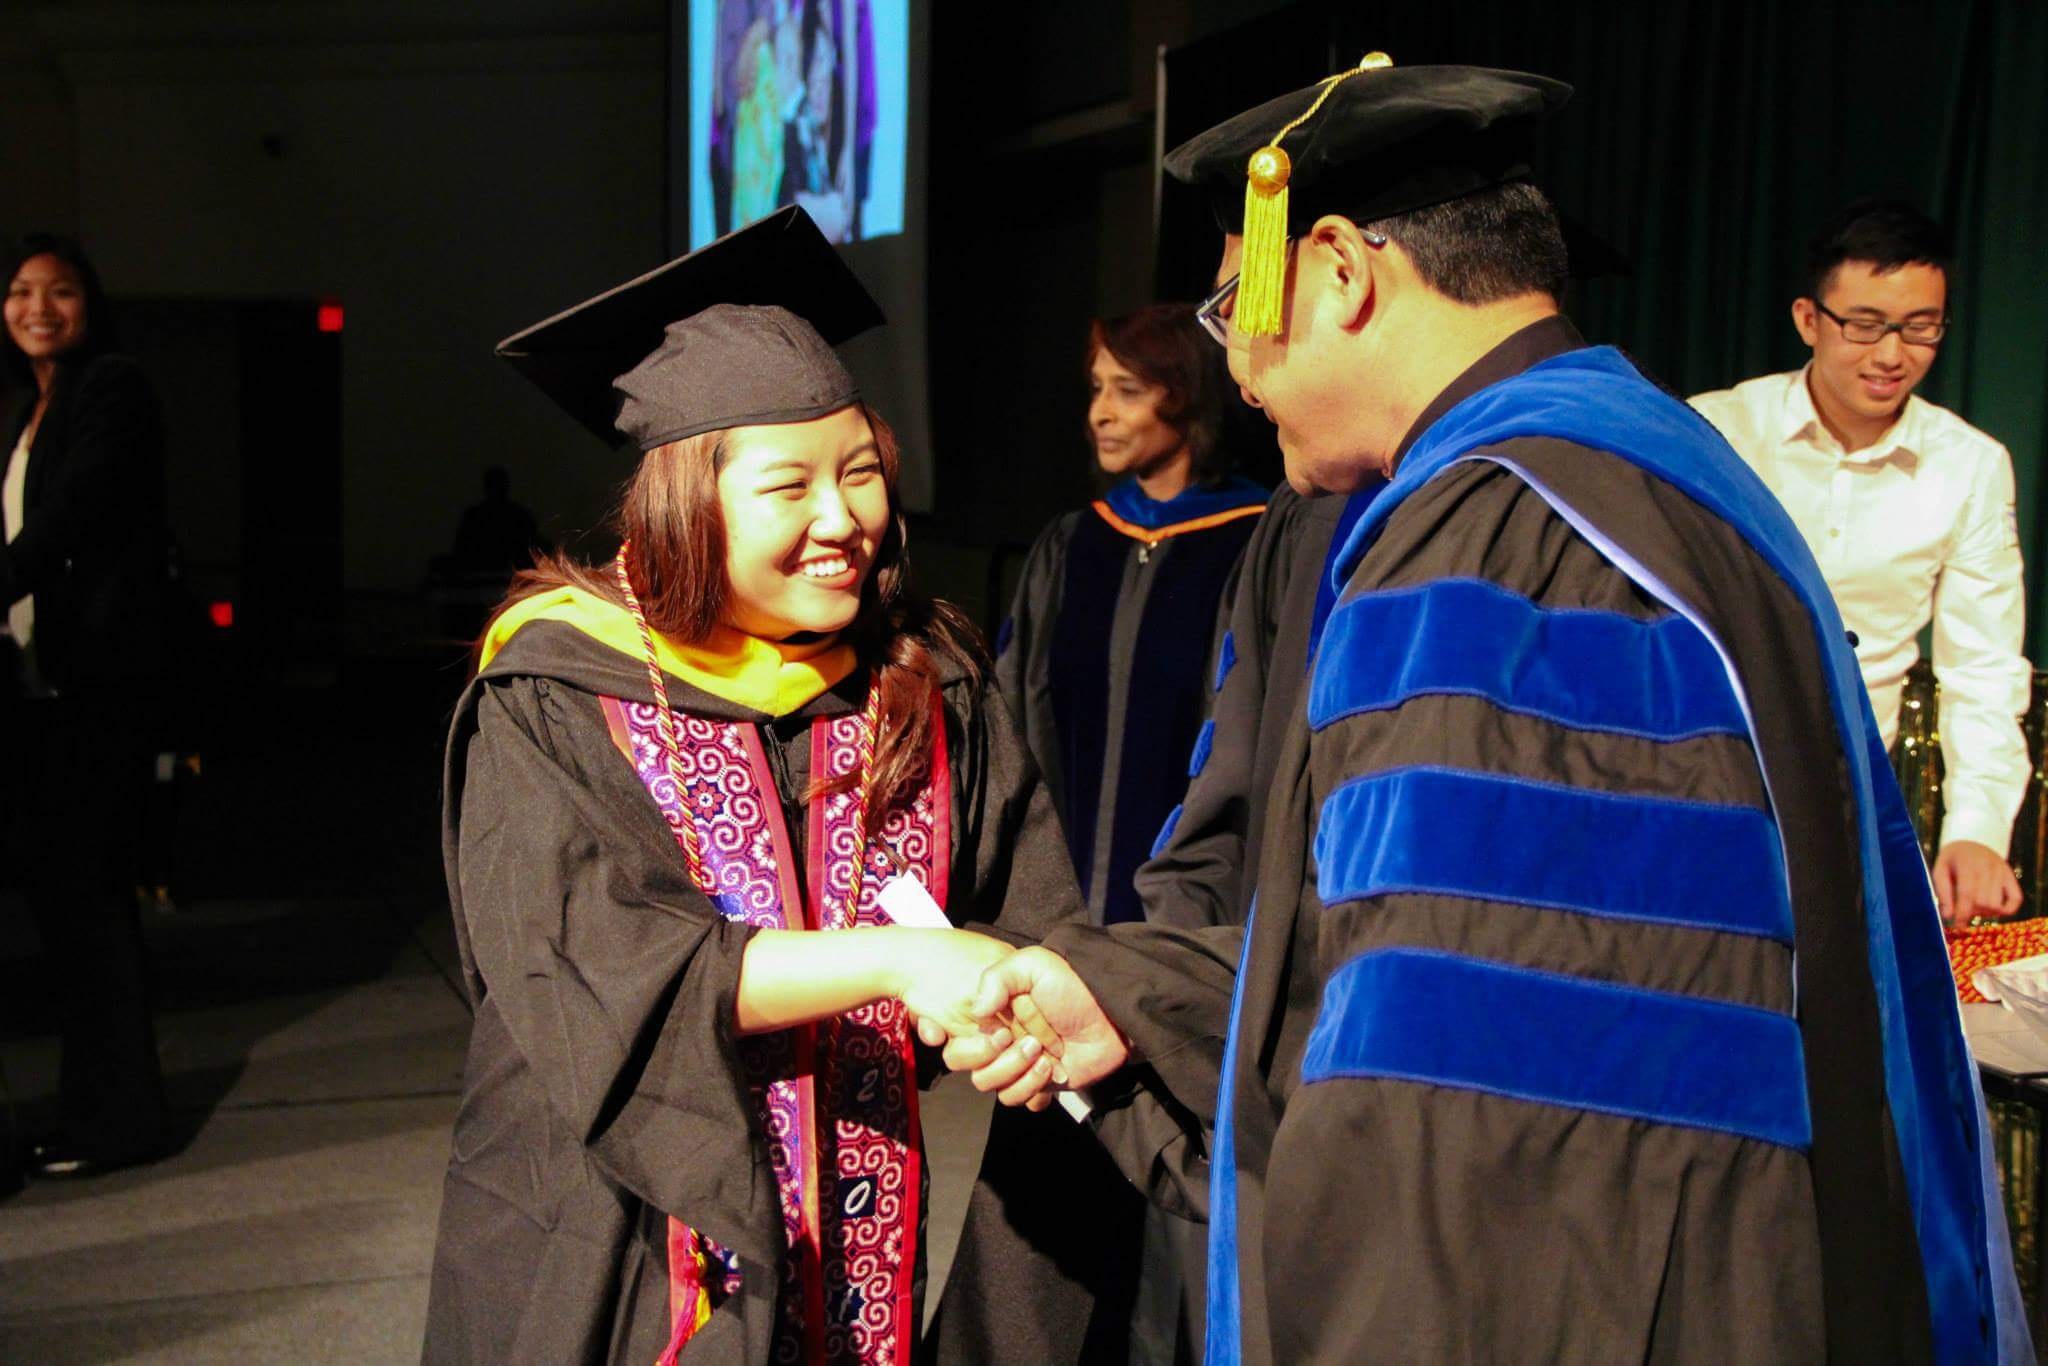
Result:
[
  {"x": 1806, "y": 318},
  {"x": 1353, "y": 265}
]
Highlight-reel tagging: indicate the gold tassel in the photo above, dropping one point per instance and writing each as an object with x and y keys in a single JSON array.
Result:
[
  {"x": 1262, "y": 267},
  {"x": 1262, "y": 270}
]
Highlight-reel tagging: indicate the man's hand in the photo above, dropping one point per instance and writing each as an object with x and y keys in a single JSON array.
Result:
[
  {"x": 1970, "y": 880},
  {"x": 1044, "y": 995}
]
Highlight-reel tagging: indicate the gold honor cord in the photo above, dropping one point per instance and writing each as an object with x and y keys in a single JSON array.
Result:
[{"x": 1262, "y": 266}]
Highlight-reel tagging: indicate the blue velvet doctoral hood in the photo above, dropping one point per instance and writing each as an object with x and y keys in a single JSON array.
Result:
[
  {"x": 1594, "y": 397},
  {"x": 1130, "y": 502}
]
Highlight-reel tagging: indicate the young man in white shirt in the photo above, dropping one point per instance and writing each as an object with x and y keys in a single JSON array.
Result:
[{"x": 1909, "y": 510}]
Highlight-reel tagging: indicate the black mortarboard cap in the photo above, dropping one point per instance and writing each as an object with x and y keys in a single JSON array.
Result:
[
  {"x": 1370, "y": 143},
  {"x": 738, "y": 332},
  {"x": 1385, "y": 142}
]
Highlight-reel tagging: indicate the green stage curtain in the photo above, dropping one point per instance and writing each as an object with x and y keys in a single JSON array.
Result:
[{"x": 1707, "y": 138}]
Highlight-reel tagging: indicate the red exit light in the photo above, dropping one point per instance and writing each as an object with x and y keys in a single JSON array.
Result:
[
  {"x": 221, "y": 614},
  {"x": 329, "y": 318}
]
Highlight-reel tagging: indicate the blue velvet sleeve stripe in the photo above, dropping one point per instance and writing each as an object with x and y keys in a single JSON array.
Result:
[
  {"x": 1443, "y": 1020},
  {"x": 1205, "y": 741},
  {"x": 1004, "y": 635},
  {"x": 1665, "y": 861},
  {"x": 1226, "y": 659},
  {"x": 1166, "y": 831},
  {"x": 1591, "y": 670}
]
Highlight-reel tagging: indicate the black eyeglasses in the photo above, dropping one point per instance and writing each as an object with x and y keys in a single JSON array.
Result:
[
  {"x": 1864, "y": 331},
  {"x": 1214, "y": 312}
]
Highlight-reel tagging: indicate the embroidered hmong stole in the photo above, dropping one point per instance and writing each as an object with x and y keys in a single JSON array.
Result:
[{"x": 837, "y": 1100}]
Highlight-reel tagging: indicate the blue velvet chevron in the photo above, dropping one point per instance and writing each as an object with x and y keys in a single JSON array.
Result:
[
  {"x": 1226, "y": 660},
  {"x": 1166, "y": 829},
  {"x": 1205, "y": 741},
  {"x": 1425, "y": 1016},
  {"x": 1700, "y": 865},
  {"x": 1592, "y": 670}
]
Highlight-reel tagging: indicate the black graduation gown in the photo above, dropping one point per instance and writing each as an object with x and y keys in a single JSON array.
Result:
[
  {"x": 1379, "y": 1219},
  {"x": 603, "y": 1091}
]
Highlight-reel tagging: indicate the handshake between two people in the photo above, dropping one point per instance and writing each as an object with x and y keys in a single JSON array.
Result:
[{"x": 1020, "y": 1022}]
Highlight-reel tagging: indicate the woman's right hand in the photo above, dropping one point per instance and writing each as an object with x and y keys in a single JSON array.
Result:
[
  {"x": 793, "y": 977},
  {"x": 937, "y": 974}
]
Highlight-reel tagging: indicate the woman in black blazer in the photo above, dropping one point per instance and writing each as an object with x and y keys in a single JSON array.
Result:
[{"x": 83, "y": 581}]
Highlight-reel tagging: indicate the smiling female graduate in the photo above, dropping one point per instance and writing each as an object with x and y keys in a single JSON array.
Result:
[{"x": 681, "y": 791}]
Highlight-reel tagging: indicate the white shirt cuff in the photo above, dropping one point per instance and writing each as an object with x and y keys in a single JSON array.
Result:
[{"x": 1981, "y": 827}]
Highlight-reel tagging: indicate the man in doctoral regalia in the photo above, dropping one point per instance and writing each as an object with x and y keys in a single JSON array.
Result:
[{"x": 1593, "y": 1004}]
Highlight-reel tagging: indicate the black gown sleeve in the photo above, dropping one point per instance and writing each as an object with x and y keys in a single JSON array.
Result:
[
  {"x": 613, "y": 977},
  {"x": 1167, "y": 983},
  {"x": 1168, "y": 990}
]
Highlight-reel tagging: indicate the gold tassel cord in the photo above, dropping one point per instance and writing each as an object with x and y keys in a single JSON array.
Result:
[
  {"x": 1262, "y": 271},
  {"x": 1262, "y": 268}
]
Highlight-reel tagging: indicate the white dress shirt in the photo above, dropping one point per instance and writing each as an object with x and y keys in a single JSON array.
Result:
[
  {"x": 21, "y": 616},
  {"x": 1918, "y": 525}
]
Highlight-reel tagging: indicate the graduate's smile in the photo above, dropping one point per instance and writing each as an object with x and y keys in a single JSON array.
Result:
[{"x": 837, "y": 571}]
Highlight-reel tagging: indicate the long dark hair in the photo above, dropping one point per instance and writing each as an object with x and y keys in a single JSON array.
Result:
[
  {"x": 671, "y": 517},
  {"x": 1162, "y": 344},
  {"x": 99, "y": 319}
]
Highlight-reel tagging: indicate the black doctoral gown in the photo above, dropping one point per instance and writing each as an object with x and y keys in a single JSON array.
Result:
[
  {"x": 603, "y": 1091},
  {"x": 1199, "y": 872},
  {"x": 1376, "y": 1218}
]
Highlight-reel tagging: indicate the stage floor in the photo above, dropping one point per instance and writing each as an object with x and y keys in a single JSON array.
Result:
[{"x": 313, "y": 1052}]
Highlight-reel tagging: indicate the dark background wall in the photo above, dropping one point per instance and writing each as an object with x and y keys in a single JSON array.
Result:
[
  {"x": 447, "y": 172},
  {"x": 450, "y": 172}
]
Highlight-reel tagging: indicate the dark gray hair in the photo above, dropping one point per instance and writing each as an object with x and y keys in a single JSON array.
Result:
[{"x": 1485, "y": 247}]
